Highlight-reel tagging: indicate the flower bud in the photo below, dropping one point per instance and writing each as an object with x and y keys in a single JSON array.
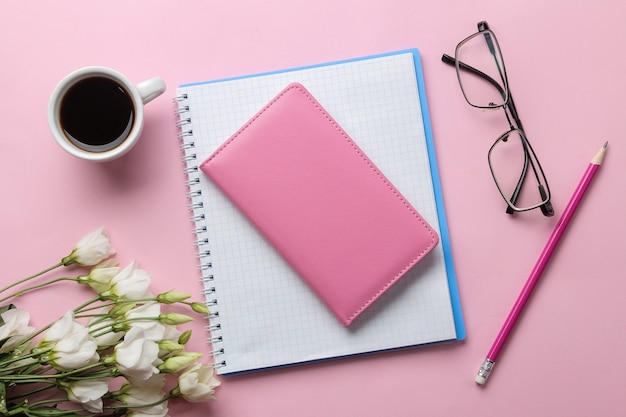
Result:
[
  {"x": 184, "y": 338},
  {"x": 178, "y": 362},
  {"x": 200, "y": 308},
  {"x": 121, "y": 309},
  {"x": 100, "y": 276},
  {"x": 172, "y": 297},
  {"x": 174, "y": 319},
  {"x": 170, "y": 346}
]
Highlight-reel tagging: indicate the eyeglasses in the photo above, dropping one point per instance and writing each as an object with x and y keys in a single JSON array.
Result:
[{"x": 484, "y": 83}]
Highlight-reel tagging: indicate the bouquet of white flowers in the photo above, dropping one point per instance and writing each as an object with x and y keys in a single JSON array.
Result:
[{"x": 109, "y": 356}]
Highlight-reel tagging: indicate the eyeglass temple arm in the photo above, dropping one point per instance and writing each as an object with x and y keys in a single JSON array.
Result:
[{"x": 447, "y": 59}]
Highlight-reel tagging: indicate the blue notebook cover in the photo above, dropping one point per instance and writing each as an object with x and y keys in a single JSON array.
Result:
[{"x": 262, "y": 315}]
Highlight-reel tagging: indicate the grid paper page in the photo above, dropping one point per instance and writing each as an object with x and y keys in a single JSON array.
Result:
[{"x": 264, "y": 315}]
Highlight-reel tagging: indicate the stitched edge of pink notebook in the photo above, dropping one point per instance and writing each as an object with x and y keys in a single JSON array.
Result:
[{"x": 434, "y": 239}]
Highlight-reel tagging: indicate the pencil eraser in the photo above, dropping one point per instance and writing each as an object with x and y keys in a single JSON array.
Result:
[{"x": 480, "y": 380}]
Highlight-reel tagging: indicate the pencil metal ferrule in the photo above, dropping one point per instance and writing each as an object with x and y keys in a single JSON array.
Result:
[{"x": 484, "y": 371}]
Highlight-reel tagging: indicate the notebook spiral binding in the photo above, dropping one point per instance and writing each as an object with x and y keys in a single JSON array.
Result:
[{"x": 191, "y": 170}]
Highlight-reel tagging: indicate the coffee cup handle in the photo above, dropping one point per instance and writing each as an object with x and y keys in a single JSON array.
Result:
[{"x": 151, "y": 89}]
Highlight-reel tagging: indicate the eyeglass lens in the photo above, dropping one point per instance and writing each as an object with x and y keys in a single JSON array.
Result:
[
  {"x": 482, "y": 52},
  {"x": 513, "y": 163}
]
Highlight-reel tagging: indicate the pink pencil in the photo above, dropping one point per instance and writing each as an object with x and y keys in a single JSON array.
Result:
[{"x": 487, "y": 366}]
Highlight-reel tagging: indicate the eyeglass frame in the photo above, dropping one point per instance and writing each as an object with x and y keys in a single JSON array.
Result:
[{"x": 508, "y": 107}]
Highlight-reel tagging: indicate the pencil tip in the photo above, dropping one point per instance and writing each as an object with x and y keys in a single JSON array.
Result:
[{"x": 597, "y": 159}]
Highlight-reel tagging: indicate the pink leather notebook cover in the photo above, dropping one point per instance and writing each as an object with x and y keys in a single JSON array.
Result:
[{"x": 321, "y": 202}]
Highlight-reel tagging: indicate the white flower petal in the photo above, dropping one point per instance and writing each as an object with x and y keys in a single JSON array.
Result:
[
  {"x": 136, "y": 356},
  {"x": 91, "y": 249},
  {"x": 71, "y": 345},
  {"x": 138, "y": 396},
  {"x": 88, "y": 393},
  {"x": 198, "y": 383},
  {"x": 130, "y": 283},
  {"x": 61, "y": 328},
  {"x": 15, "y": 328},
  {"x": 149, "y": 312}
]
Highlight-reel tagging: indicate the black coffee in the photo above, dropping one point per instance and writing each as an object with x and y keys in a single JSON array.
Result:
[{"x": 97, "y": 114}]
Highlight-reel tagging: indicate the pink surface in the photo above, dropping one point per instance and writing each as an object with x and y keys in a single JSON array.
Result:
[{"x": 565, "y": 64}]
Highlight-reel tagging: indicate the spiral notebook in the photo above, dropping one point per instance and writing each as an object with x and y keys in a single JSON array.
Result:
[{"x": 262, "y": 314}]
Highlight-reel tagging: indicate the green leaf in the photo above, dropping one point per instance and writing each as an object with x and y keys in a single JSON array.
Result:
[
  {"x": 42, "y": 411},
  {"x": 3, "y": 398},
  {"x": 4, "y": 309}
]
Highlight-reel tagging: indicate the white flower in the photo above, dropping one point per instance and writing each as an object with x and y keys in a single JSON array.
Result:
[
  {"x": 198, "y": 383},
  {"x": 70, "y": 343},
  {"x": 146, "y": 316},
  {"x": 87, "y": 392},
  {"x": 137, "y": 356},
  {"x": 100, "y": 276},
  {"x": 145, "y": 398},
  {"x": 15, "y": 328},
  {"x": 130, "y": 283},
  {"x": 90, "y": 250}
]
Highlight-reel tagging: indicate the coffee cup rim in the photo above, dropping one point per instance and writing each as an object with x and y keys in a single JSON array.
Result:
[{"x": 54, "y": 118}]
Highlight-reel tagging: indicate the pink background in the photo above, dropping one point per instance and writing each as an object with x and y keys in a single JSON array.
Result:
[{"x": 566, "y": 64}]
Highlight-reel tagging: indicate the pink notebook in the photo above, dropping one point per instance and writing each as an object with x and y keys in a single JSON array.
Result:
[{"x": 321, "y": 202}]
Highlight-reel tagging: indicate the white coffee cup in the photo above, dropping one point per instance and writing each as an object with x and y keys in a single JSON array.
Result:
[{"x": 96, "y": 113}]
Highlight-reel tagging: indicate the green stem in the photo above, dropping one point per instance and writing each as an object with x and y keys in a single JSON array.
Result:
[
  {"x": 28, "y": 409},
  {"x": 35, "y": 287},
  {"x": 4, "y": 364},
  {"x": 115, "y": 303},
  {"x": 139, "y": 406},
  {"x": 46, "y": 377},
  {"x": 80, "y": 307},
  {"x": 31, "y": 277},
  {"x": 117, "y": 326},
  {"x": 49, "y": 401},
  {"x": 84, "y": 310},
  {"x": 27, "y": 394},
  {"x": 34, "y": 391},
  {"x": 104, "y": 373}
]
